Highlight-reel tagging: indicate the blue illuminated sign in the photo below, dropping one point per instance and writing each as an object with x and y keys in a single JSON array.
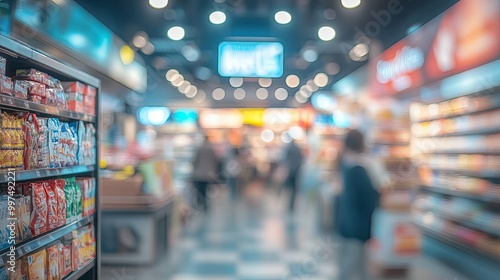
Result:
[{"x": 251, "y": 59}]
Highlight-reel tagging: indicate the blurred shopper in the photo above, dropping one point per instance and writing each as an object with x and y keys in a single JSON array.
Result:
[
  {"x": 232, "y": 169},
  {"x": 293, "y": 159},
  {"x": 205, "y": 172},
  {"x": 356, "y": 204}
]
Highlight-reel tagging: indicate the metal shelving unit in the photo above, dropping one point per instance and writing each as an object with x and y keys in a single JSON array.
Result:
[{"x": 20, "y": 55}]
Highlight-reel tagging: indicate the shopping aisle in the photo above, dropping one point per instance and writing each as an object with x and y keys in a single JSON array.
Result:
[{"x": 254, "y": 239}]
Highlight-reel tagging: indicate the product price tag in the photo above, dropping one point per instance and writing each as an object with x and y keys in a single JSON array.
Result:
[
  {"x": 57, "y": 172},
  {"x": 26, "y": 104},
  {"x": 10, "y": 101},
  {"x": 5, "y": 177},
  {"x": 46, "y": 110},
  {"x": 38, "y": 174},
  {"x": 51, "y": 237},
  {"x": 49, "y": 173}
]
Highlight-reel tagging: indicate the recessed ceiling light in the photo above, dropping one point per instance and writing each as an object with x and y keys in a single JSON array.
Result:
[
  {"x": 236, "y": 82},
  {"x": 262, "y": 93},
  {"x": 191, "y": 93},
  {"x": 184, "y": 86},
  {"x": 177, "y": 80},
  {"x": 158, "y": 4},
  {"x": 326, "y": 33},
  {"x": 148, "y": 49},
  {"x": 332, "y": 68},
  {"x": 310, "y": 55},
  {"x": 201, "y": 96},
  {"x": 265, "y": 82},
  {"x": 281, "y": 94},
  {"x": 140, "y": 40},
  {"x": 292, "y": 81},
  {"x": 311, "y": 85},
  {"x": 191, "y": 53},
  {"x": 239, "y": 94},
  {"x": 176, "y": 33},
  {"x": 300, "y": 98},
  {"x": 218, "y": 94},
  {"x": 217, "y": 17},
  {"x": 360, "y": 50},
  {"x": 282, "y": 17},
  {"x": 351, "y": 4},
  {"x": 321, "y": 79},
  {"x": 170, "y": 74}
]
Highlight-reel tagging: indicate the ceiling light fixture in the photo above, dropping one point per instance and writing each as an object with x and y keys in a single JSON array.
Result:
[
  {"x": 281, "y": 94},
  {"x": 239, "y": 94},
  {"x": 282, "y": 17},
  {"x": 321, "y": 79},
  {"x": 171, "y": 74},
  {"x": 200, "y": 96},
  {"x": 350, "y": 4},
  {"x": 126, "y": 54},
  {"x": 300, "y": 98},
  {"x": 360, "y": 50},
  {"x": 262, "y": 93},
  {"x": 140, "y": 40},
  {"x": 158, "y": 4},
  {"x": 332, "y": 68},
  {"x": 292, "y": 81},
  {"x": 326, "y": 33},
  {"x": 217, "y": 17},
  {"x": 310, "y": 55},
  {"x": 191, "y": 93},
  {"x": 236, "y": 82},
  {"x": 176, "y": 33},
  {"x": 184, "y": 86},
  {"x": 218, "y": 94},
  {"x": 177, "y": 80},
  {"x": 265, "y": 82}
]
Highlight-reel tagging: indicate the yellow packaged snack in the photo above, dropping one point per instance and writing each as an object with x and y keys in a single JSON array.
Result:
[{"x": 35, "y": 265}]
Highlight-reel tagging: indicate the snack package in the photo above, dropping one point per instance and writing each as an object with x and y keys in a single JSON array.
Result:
[
  {"x": 60, "y": 257},
  {"x": 35, "y": 98},
  {"x": 90, "y": 90},
  {"x": 43, "y": 144},
  {"x": 5, "y": 85},
  {"x": 74, "y": 87},
  {"x": 53, "y": 263},
  {"x": 31, "y": 137},
  {"x": 78, "y": 200},
  {"x": 70, "y": 201},
  {"x": 52, "y": 214},
  {"x": 18, "y": 273},
  {"x": 89, "y": 110},
  {"x": 32, "y": 75},
  {"x": 75, "y": 102},
  {"x": 35, "y": 265},
  {"x": 39, "y": 215},
  {"x": 68, "y": 263},
  {"x": 3, "y": 63},
  {"x": 58, "y": 187},
  {"x": 20, "y": 89},
  {"x": 36, "y": 89},
  {"x": 24, "y": 221},
  {"x": 72, "y": 143},
  {"x": 55, "y": 148},
  {"x": 75, "y": 258}
]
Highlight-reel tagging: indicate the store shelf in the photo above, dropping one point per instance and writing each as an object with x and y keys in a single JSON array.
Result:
[
  {"x": 80, "y": 271},
  {"x": 489, "y": 174},
  {"x": 450, "y": 116},
  {"x": 45, "y": 239},
  {"x": 477, "y": 197},
  {"x": 38, "y": 174},
  {"x": 461, "y": 152},
  {"x": 387, "y": 143},
  {"x": 25, "y": 105},
  {"x": 482, "y": 131},
  {"x": 465, "y": 221},
  {"x": 462, "y": 246}
]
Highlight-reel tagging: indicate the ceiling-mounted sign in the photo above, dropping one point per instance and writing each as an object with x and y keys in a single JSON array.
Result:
[
  {"x": 464, "y": 37},
  {"x": 250, "y": 59}
]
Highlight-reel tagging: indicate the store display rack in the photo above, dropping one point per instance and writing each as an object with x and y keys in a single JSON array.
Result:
[
  {"x": 19, "y": 55},
  {"x": 469, "y": 195}
]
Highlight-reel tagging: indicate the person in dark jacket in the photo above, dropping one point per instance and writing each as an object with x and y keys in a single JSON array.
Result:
[
  {"x": 205, "y": 171},
  {"x": 293, "y": 162},
  {"x": 356, "y": 204}
]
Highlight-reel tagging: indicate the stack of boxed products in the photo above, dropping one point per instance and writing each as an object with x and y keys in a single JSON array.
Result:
[
  {"x": 58, "y": 259},
  {"x": 39, "y": 87}
]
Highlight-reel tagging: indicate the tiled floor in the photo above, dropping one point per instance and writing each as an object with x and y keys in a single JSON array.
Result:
[{"x": 249, "y": 240}]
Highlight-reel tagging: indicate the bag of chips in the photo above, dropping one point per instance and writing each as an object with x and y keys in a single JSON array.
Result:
[
  {"x": 52, "y": 207},
  {"x": 53, "y": 263},
  {"x": 35, "y": 264},
  {"x": 39, "y": 213}
]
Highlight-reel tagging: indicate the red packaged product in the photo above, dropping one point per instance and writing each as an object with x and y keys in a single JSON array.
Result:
[
  {"x": 60, "y": 257},
  {"x": 31, "y": 136},
  {"x": 35, "y": 88},
  {"x": 53, "y": 271},
  {"x": 35, "y": 98},
  {"x": 89, "y": 110},
  {"x": 58, "y": 187},
  {"x": 5, "y": 85},
  {"x": 20, "y": 89},
  {"x": 90, "y": 90},
  {"x": 52, "y": 207},
  {"x": 75, "y": 258},
  {"x": 74, "y": 87},
  {"x": 33, "y": 75},
  {"x": 68, "y": 261},
  {"x": 89, "y": 100},
  {"x": 39, "y": 210},
  {"x": 50, "y": 97}
]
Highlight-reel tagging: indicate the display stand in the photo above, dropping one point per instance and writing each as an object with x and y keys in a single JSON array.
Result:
[{"x": 22, "y": 56}]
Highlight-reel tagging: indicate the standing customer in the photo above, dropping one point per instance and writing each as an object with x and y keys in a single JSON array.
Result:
[
  {"x": 357, "y": 202},
  {"x": 293, "y": 162},
  {"x": 232, "y": 170},
  {"x": 205, "y": 169}
]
